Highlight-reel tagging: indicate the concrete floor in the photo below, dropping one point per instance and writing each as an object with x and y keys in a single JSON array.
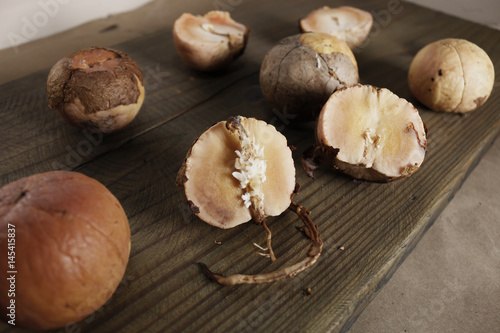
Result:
[
  {"x": 451, "y": 280},
  {"x": 486, "y": 12}
]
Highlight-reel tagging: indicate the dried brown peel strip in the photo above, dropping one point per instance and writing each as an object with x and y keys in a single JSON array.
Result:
[
  {"x": 313, "y": 253},
  {"x": 310, "y": 160},
  {"x": 314, "y": 156}
]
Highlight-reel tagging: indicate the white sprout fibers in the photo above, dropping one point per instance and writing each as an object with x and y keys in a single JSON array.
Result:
[
  {"x": 251, "y": 167},
  {"x": 371, "y": 137},
  {"x": 208, "y": 27}
]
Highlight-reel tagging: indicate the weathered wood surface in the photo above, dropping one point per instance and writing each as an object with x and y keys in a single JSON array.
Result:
[{"x": 377, "y": 224}]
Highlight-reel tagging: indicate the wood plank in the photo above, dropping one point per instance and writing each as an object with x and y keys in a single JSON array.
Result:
[{"x": 377, "y": 224}]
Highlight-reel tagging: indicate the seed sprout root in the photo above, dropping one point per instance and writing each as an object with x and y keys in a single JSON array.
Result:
[{"x": 313, "y": 253}]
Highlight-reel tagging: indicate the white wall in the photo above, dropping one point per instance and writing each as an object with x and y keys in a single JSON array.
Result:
[
  {"x": 22, "y": 21},
  {"x": 486, "y": 12}
]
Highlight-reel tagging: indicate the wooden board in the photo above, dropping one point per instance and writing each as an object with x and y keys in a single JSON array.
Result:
[{"x": 163, "y": 289}]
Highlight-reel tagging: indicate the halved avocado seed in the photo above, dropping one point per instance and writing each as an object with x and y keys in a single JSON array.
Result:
[
  {"x": 209, "y": 42},
  {"x": 348, "y": 24},
  {"x": 371, "y": 134},
  {"x": 252, "y": 176}
]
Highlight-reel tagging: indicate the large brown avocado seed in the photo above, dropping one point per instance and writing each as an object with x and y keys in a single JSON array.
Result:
[{"x": 97, "y": 89}]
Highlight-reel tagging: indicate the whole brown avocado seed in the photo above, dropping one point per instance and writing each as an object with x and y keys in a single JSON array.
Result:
[
  {"x": 71, "y": 240},
  {"x": 299, "y": 74},
  {"x": 97, "y": 89},
  {"x": 451, "y": 75}
]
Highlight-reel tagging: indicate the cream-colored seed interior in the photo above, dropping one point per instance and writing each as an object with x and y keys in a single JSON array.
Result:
[
  {"x": 215, "y": 30},
  {"x": 372, "y": 138},
  {"x": 219, "y": 32},
  {"x": 211, "y": 184},
  {"x": 375, "y": 129},
  {"x": 208, "y": 27}
]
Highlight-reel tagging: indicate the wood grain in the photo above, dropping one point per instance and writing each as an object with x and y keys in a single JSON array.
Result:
[{"x": 376, "y": 224}]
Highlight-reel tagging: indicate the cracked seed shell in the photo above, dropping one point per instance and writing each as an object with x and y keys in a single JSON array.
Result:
[{"x": 299, "y": 74}]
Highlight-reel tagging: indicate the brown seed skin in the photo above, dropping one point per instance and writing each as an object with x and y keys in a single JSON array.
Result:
[
  {"x": 97, "y": 89},
  {"x": 72, "y": 244},
  {"x": 299, "y": 74},
  {"x": 361, "y": 172},
  {"x": 451, "y": 75}
]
